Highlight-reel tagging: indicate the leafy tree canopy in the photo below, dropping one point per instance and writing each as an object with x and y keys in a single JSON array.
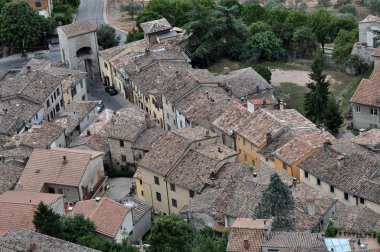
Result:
[
  {"x": 46, "y": 221},
  {"x": 320, "y": 23},
  {"x": 264, "y": 71},
  {"x": 343, "y": 44},
  {"x": 107, "y": 37},
  {"x": 75, "y": 227},
  {"x": 304, "y": 42},
  {"x": 252, "y": 13},
  {"x": 259, "y": 26}
]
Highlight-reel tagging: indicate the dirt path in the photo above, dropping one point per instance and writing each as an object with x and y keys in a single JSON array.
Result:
[{"x": 294, "y": 76}]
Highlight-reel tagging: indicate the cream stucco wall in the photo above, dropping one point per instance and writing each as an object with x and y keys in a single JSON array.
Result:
[{"x": 247, "y": 152}]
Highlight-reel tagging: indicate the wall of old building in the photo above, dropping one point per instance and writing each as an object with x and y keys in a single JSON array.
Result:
[
  {"x": 58, "y": 207},
  {"x": 181, "y": 195},
  {"x": 141, "y": 227},
  {"x": 169, "y": 113},
  {"x": 364, "y": 119},
  {"x": 247, "y": 152},
  {"x": 93, "y": 173},
  {"x": 60, "y": 141},
  {"x": 150, "y": 189},
  {"x": 71, "y": 192},
  {"x": 81, "y": 91},
  {"x": 87, "y": 120},
  {"x": 125, "y": 229},
  {"x": 117, "y": 151}
]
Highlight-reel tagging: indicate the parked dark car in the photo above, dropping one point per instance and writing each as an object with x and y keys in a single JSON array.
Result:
[
  {"x": 100, "y": 106},
  {"x": 111, "y": 90}
]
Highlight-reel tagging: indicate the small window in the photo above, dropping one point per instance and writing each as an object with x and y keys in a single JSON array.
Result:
[
  {"x": 346, "y": 196},
  {"x": 142, "y": 193},
  {"x": 373, "y": 111},
  {"x": 58, "y": 91},
  {"x": 105, "y": 65},
  {"x": 158, "y": 196},
  {"x": 51, "y": 190},
  {"x": 61, "y": 102},
  {"x": 361, "y": 201},
  {"x": 55, "y": 96},
  {"x": 332, "y": 189},
  {"x": 48, "y": 103},
  {"x": 357, "y": 109},
  {"x": 284, "y": 166},
  {"x": 156, "y": 180},
  {"x": 81, "y": 84},
  {"x": 123, "y": 158},
  {"x": 318, "y": 182},
  {"x": 306, "y": 175},
  {"x": 121, "y": 142},
  {"x": 38, "y": 3},
  {"x": 174, "y": 203},
  {"x": 172, "y": 187},
  {"x": 245, "y": 158},
  {"x": 191, "y": 193},
  {"x": 140, "y": 181},
  {"x": 239, "y": 151},
  {"x": 199, "y": 144},
  {"x": 167, "y": 115}
]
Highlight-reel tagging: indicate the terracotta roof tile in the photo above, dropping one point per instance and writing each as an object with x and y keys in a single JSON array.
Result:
[
  {"x": 29, "y": 198},
  {"x": 139, "y": 209},
  {"x": 294, "y": 239},
  {"x": 107, "y": 215},
  {"x": 78, "y": 28},
  {"x": 10, "y": 173},
  {"x": 254, "y": 239},
  {"x": 41, "y": 137},
  {"x": 155, "y": 26},
  {"x": 47, "y": 166},
  {"x": 147, "y": 138},
  {"x": 365, "y": 94}
]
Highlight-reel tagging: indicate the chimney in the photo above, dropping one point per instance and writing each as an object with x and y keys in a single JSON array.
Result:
[
  {"x": 269, "y": 138},
  {"x": 311, "y": 208},
  {"x": 97, "y": 200},
  {"x": 266, "y": 230},
  {"x": 28, "y": 69},
  {"x": 327, "y": 144},
  {"x": 64, "y": 160},
  {"x": 362, "y": 131},
  {"x": 255, "y": 178},
  {"x": 32, "y": 247},
  {"x": 88, "y": 133},
  {"x": 226, "y": 70},
  {"x": 340, "y": 161},
  {"x": 282, "y": 106},
  {"x": 246, "y": 244}
]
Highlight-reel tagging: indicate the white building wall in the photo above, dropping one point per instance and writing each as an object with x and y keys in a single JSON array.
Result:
[
  {"x": 58, "y": 207},
  {"x": 60, "y": 142},
  {"x": 91, "y": 176},
  {"x": 141, "y": 227},
  {"x": 125, "y": 229},
  {"x": 181, "y": 120},
  {"x": 88, "y": 120},
  {"x": 38, "y": 117},
  {"x": 81, "y": 91}
]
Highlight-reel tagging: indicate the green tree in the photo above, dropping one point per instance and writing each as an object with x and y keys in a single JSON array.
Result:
[
  {"x": 259, "y": 26},
  {"x": 343, "y": 44},
  {"x": 20, "y": 26},
  {"x": 345, "y": 22},
  {"x": 374, "y": 6},
  {"x": 277, "y": 202},
  {"x": 124, "y": 246},
  {"x": 135, "y": 35},
  {"x": 264, "y": 71},
  {"x": 205, "y": 240},
  {"x": 274, "y": 4},
  {"x": 3, "y": 2},
  {"x": 147, "y": 15},
  {"x": 92, "y": 241},
  {"x": 348, "y": 8},
  {"x": 75, "y": 227},
  {"x": 331, "y": 230},
  {"x": 263, "y": 45},
  {"x": 320, "y": 23},
  {"x": 357, "y": 64},
  {"x": 316, "y": 99},
  {"x": 170, "y": 234},
  {"x": 107, "y": 37},
  {"x": 332, "y": 117},
  {"x": 304, "y": 42},
  {"x": 63, "y": 13},
  {"x": 46, "y": 221},
  {"x": 252, "y": 13},
  {"x": 132, "y": 8}
]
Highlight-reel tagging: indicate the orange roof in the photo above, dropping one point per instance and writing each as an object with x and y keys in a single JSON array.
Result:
[
  {"x": 29, "y": 198},
  {"x": 47, "y": 166},
  {"x": 107, "y": 215},
  {"x": 251, "y": 223},
  {"x": 367, "y": 91}
]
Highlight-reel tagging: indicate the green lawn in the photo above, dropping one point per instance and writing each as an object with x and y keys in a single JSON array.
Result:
[
  {"x": 292, "y": 94},
  {"x": 217, "y": 68}
]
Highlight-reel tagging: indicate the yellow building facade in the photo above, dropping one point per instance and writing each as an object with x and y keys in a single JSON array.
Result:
[{"x": 247, "y": 152}]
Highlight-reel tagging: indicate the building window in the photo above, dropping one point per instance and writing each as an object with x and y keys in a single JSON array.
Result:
[
  {"x": 57, "y": 108},
  {"x": 61, "y": 102},
  {"x": 357, "y": 109},
  {"x": 121, "y": 142},
  {"x": 332, "y": 189},
  {"x": 318, "y": 182},
  {"x": 142, "y": 193},
  {"x": 48, "y": 103},
  {"x": 174, "y": 203},
  {"x": 245, "y": 158},
  {"x": 306, "y": 175},
  {"x": 156, "y": 180},
  {"x": 123, "y": 158},
  {"x": 284, "y": 166},
  {"x": 167, "y": 115},
  {"x": 172, "y": 187},
  {"x": 239, "y": 151},
  {"x": 346, "y": 196},
  {"x": 55, "y": 96},
  {"x": 51, "y": 190},
  {"x": 105, "y": 65},
  {"x": 140, "y": 181},
  {"x": 58, "y": 91},
  {"x": 191, "y": 193},
  {"x": 38, "y": 3},
  {"x": 361, "y": 201},
  {"x": 373, "y": 111},
  {"x": 81, "y": 84},
  {"x": 158, "y": 196},
  {"x": 169, "y": 128}
]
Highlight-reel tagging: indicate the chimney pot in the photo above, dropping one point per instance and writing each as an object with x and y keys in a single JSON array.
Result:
[
  {"x": 282, "y": 105},
  {"x": 340, "y": 161}
]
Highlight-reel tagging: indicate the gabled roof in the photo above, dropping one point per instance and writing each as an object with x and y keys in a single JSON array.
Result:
[
  {"x": 47, "y": 166},
  {"x": 29, "y": 198},
  {"x": 370, "y": 18},
  {"x": 366, "y": 93},
  {"x": 78, "y": 28},
  {"x": 20, "y": 240},
  {"x": 107, "y": 215},
  {"x": 139, "y": 209},
  {"x": 155, "y": 26},
  {"x": 148, "y": 138},
  {"x": 41, "y": 137}
]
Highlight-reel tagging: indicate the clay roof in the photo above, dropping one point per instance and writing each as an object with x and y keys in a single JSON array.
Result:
[
  {"x": 366, "y": 93},
  {"x": 78, "y": 28},
  {"x": 294, "y": 239},
  {"x": 127, "y": 124},
  {"x": 358, "y": 175},
  {"x": 29, "y": 198},
  {"x": 246, "y": 83},
  {"x": 239, "y": 196},
  {"x": 47, "y": 166},
  {"x": 360, "y": 219},
  {"x": 147, "y": 138},
  {"x": 196, "y": 133},
  {"x": 369, "y": 139},
  {"x": 251, "y": 223},
  {"x": 237, "y": 237},
  {"x": 107, "y": 215},
  {"x": 20, "y": 240},
  {"x": 139, "y": 209},
  {"x": 370, "y": 18},
  {"x": 229, "y": 121},
  {"x": 41, "y": 137},
  {"x": 122, "y": 50},
  {"x": 376, "y": 53},
  {"x": 74, "y": 113},
  {"x": 202, "y": 108},
  {"x": 155, "y": 26},
  {"x": 10, "y": 173}
]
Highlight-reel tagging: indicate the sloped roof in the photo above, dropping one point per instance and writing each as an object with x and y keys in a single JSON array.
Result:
[
  {"x": 365, "y": 93},
  {"x": 370, "y": 18},
  {"x": 78, "y": 28},
  {"x": 147, "y": 138},
  {"x": 41, "y": 137},
  {"x": 155, "y": 26},
  {"x": 29, "y": 198},
  {"x": 47, "y": 166},
  {"x": 10, "y": 173},
  {"x": 107, "y": 215}
]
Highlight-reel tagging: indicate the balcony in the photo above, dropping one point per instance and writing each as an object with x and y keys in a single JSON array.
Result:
[{"x": 98, "y": 189}]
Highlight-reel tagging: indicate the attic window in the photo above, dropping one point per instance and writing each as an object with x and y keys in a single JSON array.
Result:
[{"x": 38, "y": 3}]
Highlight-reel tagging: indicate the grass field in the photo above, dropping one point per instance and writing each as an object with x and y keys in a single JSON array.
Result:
[{"x": 292, "y": 94}]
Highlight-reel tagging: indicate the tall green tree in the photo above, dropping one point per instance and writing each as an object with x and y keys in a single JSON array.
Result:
[
  {"x": 252, "y": 13},
  {"x": 316, "y": 99},
  {"x": 170, "y": 234},
  {"x": 20, "y": 26},
  {"x": 277, "y": 202},
  {"x": 304, "y": 42},
  {"x": 107, "y": 37},
  {"x": 46, "y": 221},
  {"x": 343, "y": 44},
  {"x": 332, "y": 116},
  {"x": 320, "y": 23},
  {"x": 75, "y": 227}
]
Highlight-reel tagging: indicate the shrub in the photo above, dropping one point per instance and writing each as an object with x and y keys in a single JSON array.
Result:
[
  {"x": 264, "y": 71},
  {"x": 357, "y": 64},
  {"x": 331, "y": 230},
  {"x": 324, "y": 3},
  {"x": 124, "y": 171},
  {"x": 348, "y": 8}
]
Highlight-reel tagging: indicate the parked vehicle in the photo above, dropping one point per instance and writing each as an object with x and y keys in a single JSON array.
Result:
[
  {"x": 100, "y": 106},
  {"x": 111, "y": 90}
]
